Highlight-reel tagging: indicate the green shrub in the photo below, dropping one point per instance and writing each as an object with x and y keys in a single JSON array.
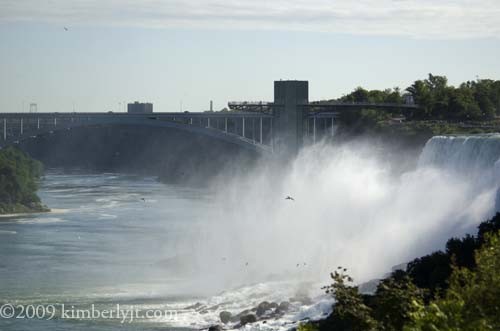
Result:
[
  {"x": 472, "y": 301},
  {"x": 349, "y": 311},
  {"x": 19, "y": 176}
]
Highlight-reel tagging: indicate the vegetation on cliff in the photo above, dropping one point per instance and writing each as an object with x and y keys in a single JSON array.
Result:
[
  {"x": 19, "y": 175},
  {"x": 472, "y": 100},
  {"x": 472, "y": 107},
  {"x": 454, "y": 290}
]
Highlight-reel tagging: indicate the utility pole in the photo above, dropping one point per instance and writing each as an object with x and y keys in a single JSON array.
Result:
[{"x": 33, "y": 107}]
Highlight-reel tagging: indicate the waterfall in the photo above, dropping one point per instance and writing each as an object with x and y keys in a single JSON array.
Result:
[
  {"x": 472, "y": 154},
  {"x": 350, "y": 209},
  {"x": 475, "y": 158}
]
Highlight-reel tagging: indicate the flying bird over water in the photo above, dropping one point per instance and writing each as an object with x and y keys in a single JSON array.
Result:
[
  {"x": 289, "y": 198},
  {"x": 65, "y": 29}
]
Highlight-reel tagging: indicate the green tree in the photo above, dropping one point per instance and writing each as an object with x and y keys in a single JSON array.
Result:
[
  {"x": 393, "y": 96},
  {"x": 395, "y": 301},
  {"x": 350, "y": 313},
  {"x": 430, "y": 272},
  {"x": 485, "y": 96},
  {"x": 422, "y": 96},
  {"x": 488, "y": 227},
  {"x": 472, "y": 301},
  {"x": 462, "y": 105},
  {"x": 358, "y": 95},
  {"x": 19, "y": 176},
  {"x": 462, "y": 251}
]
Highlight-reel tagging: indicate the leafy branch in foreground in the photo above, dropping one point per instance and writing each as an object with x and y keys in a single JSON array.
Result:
[
  {"x": 465, "y": 298},
  {"x": 349, "y": 312},
  {"x": 472, "y": 301},
  {"x": 395, "y": 301}
]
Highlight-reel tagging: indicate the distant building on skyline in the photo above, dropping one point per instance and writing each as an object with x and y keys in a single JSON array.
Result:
[{"x": 139, "y": 108}]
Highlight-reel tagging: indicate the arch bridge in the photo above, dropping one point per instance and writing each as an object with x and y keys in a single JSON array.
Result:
[
  {"x": 281, "y": 126},
  {"x": 249, "y": 130}
]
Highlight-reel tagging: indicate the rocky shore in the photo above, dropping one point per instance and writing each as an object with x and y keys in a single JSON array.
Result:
[
  {"x": 264, "y": 313},
  {"x": 18, "y": 208}
]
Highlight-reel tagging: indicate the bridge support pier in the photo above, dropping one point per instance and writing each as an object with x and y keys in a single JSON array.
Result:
[
  {"x": 314, "y": 130},
  {"x": 290, "y": 105},
  {"x": 260, "y": 139},
  {"x": 272, "y": 136},
  {"x": 253, "y": 130}
]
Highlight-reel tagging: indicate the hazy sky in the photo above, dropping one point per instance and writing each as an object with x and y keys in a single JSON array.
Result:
[{"x": 168, "y": 51}]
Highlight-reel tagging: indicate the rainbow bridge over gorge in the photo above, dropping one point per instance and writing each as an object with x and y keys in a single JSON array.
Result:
[{"x": 280, "y": 127}]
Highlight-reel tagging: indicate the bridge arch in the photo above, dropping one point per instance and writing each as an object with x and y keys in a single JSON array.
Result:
[{"x": 183, "y": 123}]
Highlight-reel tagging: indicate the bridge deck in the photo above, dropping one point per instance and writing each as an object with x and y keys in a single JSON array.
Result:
[
  {"x": 247, "y": 129},
  {"x": 229, "y": 114}
]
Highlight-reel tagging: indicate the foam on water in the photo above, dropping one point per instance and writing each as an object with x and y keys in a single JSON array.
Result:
[
  {"x": 40, "y": 220},
  {"x": 247, "y": 297}
]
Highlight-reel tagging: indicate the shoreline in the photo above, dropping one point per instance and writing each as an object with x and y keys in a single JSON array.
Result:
[{"x": 29, "y": 212}]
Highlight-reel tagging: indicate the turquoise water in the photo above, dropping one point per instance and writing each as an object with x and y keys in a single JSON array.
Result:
[{"x": 111, "y": 239}]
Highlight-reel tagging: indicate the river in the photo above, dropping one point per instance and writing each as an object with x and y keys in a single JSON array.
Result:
[{"x": 113, "y": 239}]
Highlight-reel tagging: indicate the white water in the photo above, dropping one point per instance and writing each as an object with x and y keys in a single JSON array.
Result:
[{"x": 349, "y": 210}]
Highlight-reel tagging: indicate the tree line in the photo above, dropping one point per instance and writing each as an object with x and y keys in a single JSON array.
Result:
[
  {"x": 471, "y": 100},
  {"x": 453, "y": 290}
]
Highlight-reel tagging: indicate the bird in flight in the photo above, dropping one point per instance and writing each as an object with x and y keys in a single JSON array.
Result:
[
  {"x": 143, "y": 199},
  {"x": 289, "y": 198},
  {"x": 65, "y": 29}
]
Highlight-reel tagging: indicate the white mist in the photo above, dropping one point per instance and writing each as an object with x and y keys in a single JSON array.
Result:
[{"x": 349, "y": 210}]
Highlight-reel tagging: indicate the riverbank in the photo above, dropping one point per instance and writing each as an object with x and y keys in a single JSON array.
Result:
[{"x": 17, "y": 209}]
